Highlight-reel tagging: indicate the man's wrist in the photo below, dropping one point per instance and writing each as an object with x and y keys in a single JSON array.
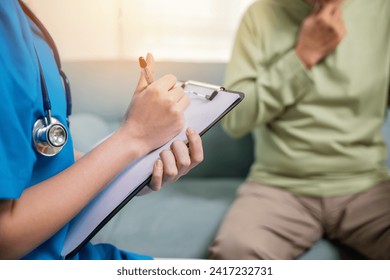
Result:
[{"x": 309, "y": 59}]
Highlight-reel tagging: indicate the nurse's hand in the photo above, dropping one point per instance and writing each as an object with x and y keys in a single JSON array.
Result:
[
  {"x": 176, "y": 162},
  {"x": 156, "y": 112}
]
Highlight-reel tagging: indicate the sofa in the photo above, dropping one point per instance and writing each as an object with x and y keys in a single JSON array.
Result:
[{"x": 180, "y": 220}]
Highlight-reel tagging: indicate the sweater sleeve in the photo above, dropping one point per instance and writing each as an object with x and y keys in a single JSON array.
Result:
[
  {"x": 269, "y": 86},
  {"x": 388, "y": 99}
]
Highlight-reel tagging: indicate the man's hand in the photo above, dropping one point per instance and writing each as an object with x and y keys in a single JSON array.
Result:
[{"x": 320, "y": 34}]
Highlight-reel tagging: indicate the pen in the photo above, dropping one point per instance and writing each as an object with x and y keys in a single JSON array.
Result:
[
  {"x": 144, "y": 66},
  {"x": 149, "y": 79}
]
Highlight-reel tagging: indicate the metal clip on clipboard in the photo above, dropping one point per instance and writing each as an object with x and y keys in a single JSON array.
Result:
[{"x": 209, "y": 97}]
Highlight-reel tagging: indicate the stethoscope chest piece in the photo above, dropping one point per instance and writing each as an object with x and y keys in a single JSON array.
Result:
[{"x": 49, "y": 137}]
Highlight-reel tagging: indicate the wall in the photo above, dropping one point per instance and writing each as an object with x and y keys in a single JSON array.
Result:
[{"x": 186, "y": 30}]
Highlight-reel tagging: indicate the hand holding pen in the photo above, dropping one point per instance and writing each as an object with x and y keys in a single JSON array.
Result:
[
  {"x": 156, "y": 109},
  {"x": 159, "y": 105}
]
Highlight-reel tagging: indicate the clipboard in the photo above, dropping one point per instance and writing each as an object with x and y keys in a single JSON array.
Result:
[{"x": 209, "y": 104}]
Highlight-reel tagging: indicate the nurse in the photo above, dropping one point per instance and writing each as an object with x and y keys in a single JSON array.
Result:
[{"x": 40, "y": 194}]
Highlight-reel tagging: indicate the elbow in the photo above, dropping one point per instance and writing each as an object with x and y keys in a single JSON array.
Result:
[
  {"x": 233, "y": 131},
  {"x": 11, "y": 247},
  {"x": 7, "y": 245},
  {"x": 11, "y": 242}
]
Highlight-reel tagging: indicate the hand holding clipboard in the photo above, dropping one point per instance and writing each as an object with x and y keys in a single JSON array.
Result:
[{"x": 209, "y": 103}]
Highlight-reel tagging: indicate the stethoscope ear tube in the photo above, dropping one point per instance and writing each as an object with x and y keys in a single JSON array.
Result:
[{"x": 68, "y": 95}]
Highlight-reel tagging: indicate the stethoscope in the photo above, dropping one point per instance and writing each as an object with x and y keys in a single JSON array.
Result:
[{"x": 49, "y": 134}]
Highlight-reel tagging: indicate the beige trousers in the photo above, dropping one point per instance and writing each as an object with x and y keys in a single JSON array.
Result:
[{"x": 272, "y": 223}]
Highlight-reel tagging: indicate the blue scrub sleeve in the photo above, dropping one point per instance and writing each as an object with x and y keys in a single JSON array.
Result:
[
  {"x": 15, "y": 169},
  {"x": 17, "y": 71}
]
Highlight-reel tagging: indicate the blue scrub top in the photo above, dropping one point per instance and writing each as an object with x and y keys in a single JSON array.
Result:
[{"x": 21, "y": 105}]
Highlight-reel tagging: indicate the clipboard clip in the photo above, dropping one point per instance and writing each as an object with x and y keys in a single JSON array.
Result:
[
  {"x": 205, "y": 85},
  {"x": 205, "y": 96}
]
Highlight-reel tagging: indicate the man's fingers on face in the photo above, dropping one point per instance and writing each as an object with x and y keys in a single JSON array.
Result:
[
  {"x": 327, "y": 10},
  {"x": 337, "y": 13}
]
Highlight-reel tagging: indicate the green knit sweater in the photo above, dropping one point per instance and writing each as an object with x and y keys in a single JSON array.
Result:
[{"x": 317, "y": 132}]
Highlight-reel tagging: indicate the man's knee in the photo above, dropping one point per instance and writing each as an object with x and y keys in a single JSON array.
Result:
[{"x": 233, "y": 248}]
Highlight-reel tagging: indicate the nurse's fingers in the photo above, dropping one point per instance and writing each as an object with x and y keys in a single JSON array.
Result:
[
  {"x": 157, "y": 176},
  {"x": 183, "y": 103},
  {"x": 182, "y": 157},
  {"x": 176, "y": 94},
  {"x": 142, "y": 82},
  {"x": 195, "y": 147},
  {"x": 177, "y": 161},
  {"x": 170, "y": 170}
]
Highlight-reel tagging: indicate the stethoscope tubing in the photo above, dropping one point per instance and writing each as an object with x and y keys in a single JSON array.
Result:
[
  {"x": 48, "y": 133},
  {"x": 50, "y": 41}
]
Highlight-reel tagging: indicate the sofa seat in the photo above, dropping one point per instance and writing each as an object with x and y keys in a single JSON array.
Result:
[{"x": 181, "y": 220}]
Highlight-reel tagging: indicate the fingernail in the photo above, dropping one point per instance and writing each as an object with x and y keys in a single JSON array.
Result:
[
  {"x": 158, "y": 163},
  {"x": 190, "y": 131}
]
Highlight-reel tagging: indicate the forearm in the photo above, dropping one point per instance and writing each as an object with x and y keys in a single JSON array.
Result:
[
  {"x": 268, "y": 91},
  {"x": 270, "y": 83},
  {"x": 78, "y": 155},
  {"x": 46, "y": 207}
]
